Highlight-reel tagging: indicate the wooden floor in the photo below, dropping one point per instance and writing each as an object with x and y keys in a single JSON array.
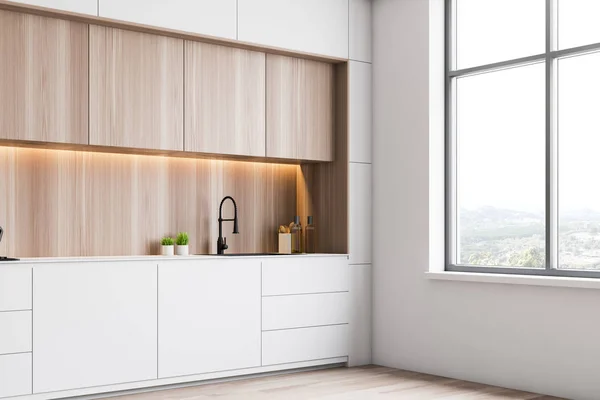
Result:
[{"x": 341, "y": 383}]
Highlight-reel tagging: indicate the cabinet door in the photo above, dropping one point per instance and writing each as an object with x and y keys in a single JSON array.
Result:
[
  {"x": 78, "y": 6},
  {"x": 361, "y": 112},
  {"x": 209, "y": 17},
  {"x": 136, "y": 89},
  {"x": 313, "y": 26},
  {"x": 360, "y": 204},
  {"x": 43, "y": 83},
  {"x": 300, "y": 108},
  {"x": 224, "y": 100},
  {"x": 209, "y": 316},
  {"x": 94, "y": 324}
]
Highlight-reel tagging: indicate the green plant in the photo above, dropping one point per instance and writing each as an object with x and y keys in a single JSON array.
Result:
[
  {"x": 182, "y": 239},
  {"x": 167, "y": 241}
]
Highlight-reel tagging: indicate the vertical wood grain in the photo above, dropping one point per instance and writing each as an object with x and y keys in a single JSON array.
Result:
[
  {"x": 136, "y": 89},
  {"x": 323, "y": 187},
  {"x": 300, "y": 108},
  {"x": 224, "y": 100},
  {"x": 43, "y": 79},
  {"x": 56, "y": 203}
]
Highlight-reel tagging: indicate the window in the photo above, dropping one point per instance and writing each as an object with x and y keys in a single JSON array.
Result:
[{"x": 523, "y": 137}]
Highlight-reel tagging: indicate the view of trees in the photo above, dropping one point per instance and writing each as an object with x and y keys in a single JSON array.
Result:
[{"x": 498, "y": 237}]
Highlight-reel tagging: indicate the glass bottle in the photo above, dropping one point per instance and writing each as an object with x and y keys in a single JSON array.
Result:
[
  {"x": 310, "y": 238},
  {"x": 296, "y": 232}
]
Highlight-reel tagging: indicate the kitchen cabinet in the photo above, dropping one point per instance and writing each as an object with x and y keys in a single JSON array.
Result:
[
  {"x": 94, "y": 324},
  {"x": 313, "y": 26},
  {"x": 361, "y": 318},
  {"x": 44, "y": 66},
  {"x": 224, "y": 100},
  {"x": 305, "y": 344},
  {"x": 77, "y": 6},
  {"x": 209, "y": 316},
  {"x": 136, "y": 89},
  {"x": 304, "y": 275},
  {"x": 300, "y": 108},
  {"x": 15, "y": 288},
  {"x": 15, "y": 332},
  {"x": 360, "y": 204},
  {"x": 361, "y": 112},
  {"x": 15, "y": 374},
  {"x": 360, "y": 30},
  {"x": 208, "y": 17}
]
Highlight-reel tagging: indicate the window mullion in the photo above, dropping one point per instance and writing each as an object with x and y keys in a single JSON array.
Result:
[{"x": 551, "y": 137}]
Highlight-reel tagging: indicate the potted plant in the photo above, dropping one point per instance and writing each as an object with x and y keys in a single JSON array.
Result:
[
  {"x": 182, "y": 241},
  {"x": 168, "y": 248}
]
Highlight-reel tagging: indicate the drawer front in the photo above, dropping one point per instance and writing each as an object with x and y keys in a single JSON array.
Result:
[
  {"x": 15, "y": 332},
  {"x": 307, "y": 310},
  {"x": 15, "y": 288},
  {"x": 305, "y": 275},
  {"x": 304, "y": 344},
  {"x": 15, "y": 375}
]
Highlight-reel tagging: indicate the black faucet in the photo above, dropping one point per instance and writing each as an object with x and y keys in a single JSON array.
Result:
[{"x": 222, "y": 242}]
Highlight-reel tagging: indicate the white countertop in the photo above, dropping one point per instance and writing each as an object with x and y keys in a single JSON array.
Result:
[{"x": 45, "y": 260}]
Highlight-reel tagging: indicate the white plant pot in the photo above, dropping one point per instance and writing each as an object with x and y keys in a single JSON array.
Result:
[
  {"x": 183, "y": 250},
  {"x": 168, "y": 250}
]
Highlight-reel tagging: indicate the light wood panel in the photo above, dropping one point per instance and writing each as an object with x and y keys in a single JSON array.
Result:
[
  {"x": 136, "y": 89},
  {"x": 43, "y": 79},
  {"x": 132, "y": 26},
  {"x": 300, "y": 108},
  {"x": 224, "y": 100},
  {"x": 323, "y": 187},
  {"x": 369, "y": 382},
  {"x": 67, "y": 203}
]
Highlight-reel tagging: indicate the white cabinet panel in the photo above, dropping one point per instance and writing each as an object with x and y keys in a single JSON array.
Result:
[
  {"x": 78, "y": 6},
  {"x": 313, "y": 26},
  {"x": 360, "y": 315},
  {"x": 209, "y": 316},
  {"x": 15, "y": 332},
  {"x": 15, "y": 287},
  {"x": 207, "y": 17},
  {"x": 361, "y": 112},
  {"x": 359, "y": 203},
  {"x": 285, "y": 312},
  {"x": 15, "y": 375},
  {"x": 95, "y": 324},
  {"x": 304, "y": 344},
  {"x": 360, "y": 30},
  {"x": 304, "y": 275}
]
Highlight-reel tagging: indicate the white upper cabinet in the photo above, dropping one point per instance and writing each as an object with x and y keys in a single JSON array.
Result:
[
  {"x": 360, "y": 30},
  {"x": 361, "y": 112},
  {"x": 78, "y": 6},
  {"x": 207, "y": 17},
  {"x": 312, "y": 26}
]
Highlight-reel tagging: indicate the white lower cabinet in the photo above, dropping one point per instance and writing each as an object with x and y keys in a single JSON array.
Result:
[
  {"x": 305, "y": 344},
  {"x": 15, "y": 374},
  {"x": 285, "y": 312},
  {"x": 15, "y": 332},
  {"x": 94, "y": 324},
  {"x": 209, "y": 316}
]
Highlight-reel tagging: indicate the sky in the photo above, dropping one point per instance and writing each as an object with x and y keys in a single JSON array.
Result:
[{"x": 501, "y": 115}]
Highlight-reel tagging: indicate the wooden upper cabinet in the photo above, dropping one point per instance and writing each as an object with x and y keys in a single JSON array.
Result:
[
  {"x": 43, "y": 79},
  {"x": 224, "y": 100},
  {"x": 300, "y": 108},
  {"x": 136, "y": 89}
]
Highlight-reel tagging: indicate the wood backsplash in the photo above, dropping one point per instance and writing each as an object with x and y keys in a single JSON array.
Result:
[{"x": 56, "y": 203}]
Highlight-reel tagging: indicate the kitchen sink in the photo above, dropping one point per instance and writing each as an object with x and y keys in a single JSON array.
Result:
[{"x": 8, "y": 259}]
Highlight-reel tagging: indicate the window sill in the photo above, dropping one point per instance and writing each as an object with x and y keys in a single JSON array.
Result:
[{"x": 552, "y": 281}]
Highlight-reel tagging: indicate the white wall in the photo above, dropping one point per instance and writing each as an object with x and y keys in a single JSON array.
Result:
[{"x": 532, "y": 338}]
